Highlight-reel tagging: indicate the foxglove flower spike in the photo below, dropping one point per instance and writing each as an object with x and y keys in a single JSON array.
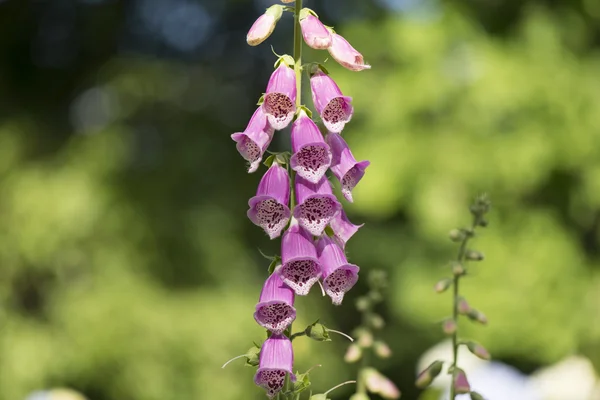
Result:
[{"x": 269, "y": 208}]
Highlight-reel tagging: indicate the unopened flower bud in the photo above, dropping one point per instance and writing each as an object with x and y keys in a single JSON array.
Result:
[
  {"x": 473, "y": 255},
  {"x": 365, "y": 340},
  {"x": 457, "y": 235},
  {"x": 429, "y": 374},
  {"x": 463, "y": 306},
  {"x": 320, "y": 396},
  {"x": 363, "y": 303},
  {"x": 460, "y": 382},
  {"x": 353, "y": 354},
  {"x": 380, "y": 384},
  {"x": 359, "y": 396},
  {"x": 449, "y": 326},
  {"x": 443, "y": 285},
  {"x": 382, "y": 350},
  {"x": 317, "y": 332},
  {"x": 478, "y": 350},
  {"x": 264, "y": 25},
  {"x": 483, "y": 222},
  {"x": 477, "y": 316},
  {"x": 476, "y": 396},
  {"x": 287, "y": 1},
  {"x": 376, "y": 321},
  {"x": 458, "y": 269}
]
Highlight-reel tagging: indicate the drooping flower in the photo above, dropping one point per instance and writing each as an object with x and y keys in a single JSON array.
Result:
[
  {"x": 334, "y": 108},
  {"x": 378, "y": 383},
  {"x": 253, "y": 142},
  {"x": 299, "y": 268},
  {"x": 312, "y": 156},
  {"x": 344, "y": 166},
  {"x": 345, "y": 54},
  {"x": 315, "y": 34},
  {"x": 316, "y": 204},
  {"x": 269, "y": 208},
  {"x": 275, "y": 309},
  {"x": 264, "y": 25},
  {"x": 342, "y": 228},
  {"x": 280, "y": 96},
  {"x": 339, "y": 276},
  {"x": 276, "y": 360},
  {"x": 460, "y": 382}
]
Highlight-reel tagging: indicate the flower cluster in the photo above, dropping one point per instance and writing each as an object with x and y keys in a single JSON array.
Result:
[{"x": 295, "y": 199}]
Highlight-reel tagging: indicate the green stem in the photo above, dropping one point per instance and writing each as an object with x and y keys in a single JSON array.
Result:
[
  {"x": 298, "y": 53},
  {"x": 460, "y": 258},
  {"x": 298, "y": 71},
  {"x": 361, "y": 385}
]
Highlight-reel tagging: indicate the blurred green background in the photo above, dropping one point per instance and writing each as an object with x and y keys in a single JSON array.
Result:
[{"x": 128, "y": 268}]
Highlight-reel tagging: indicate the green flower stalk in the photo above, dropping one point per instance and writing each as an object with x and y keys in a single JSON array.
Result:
[{"x": 459, "y": 382}]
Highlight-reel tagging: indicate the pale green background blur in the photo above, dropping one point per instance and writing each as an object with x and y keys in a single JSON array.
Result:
[{"x": 128, "y": 268}]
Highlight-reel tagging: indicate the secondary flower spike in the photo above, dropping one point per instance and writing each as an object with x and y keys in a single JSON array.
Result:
[
  {"x": 345, "y": 54},
  {"x": 269, "y": 208},
  {"x": 316, "y": 204},
  {"x": 338, "y": 275},
  {"x": 299, "y": 267},
  {"x": 315, "y": 34},
  {"x": 264, "y": 25},
  {"x": 253, "y": 142},
  {"x": 276, "y": 360},
  {"x": 275, "y": 309},
  {"x": 312, "y": 156},
  {"x": 334, "y": 108},
  {"x": 280, "y": 96},
  {"x": 342, "y": 228},
  {"x": 344, "y": 166}
]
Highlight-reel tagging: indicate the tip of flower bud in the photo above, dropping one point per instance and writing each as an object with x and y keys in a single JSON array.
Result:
[
  {"x": 478, "y": 350},
  {"x": 382, "y": 350},
  {"x": 353, "y": 354},
  {"x": 376, "y": 321},
  {"x": 443, "y": 285},
  {"x": 449, "y": 326},
  {"x": 477, "y": 316},
  {"x": 457, "y": 235},
  {"x": 363, "y": 303},
  {"x": 429, "y": 374},
  {"x": 473, "y": 255},
  {"x": 458, "y": 269},
  {"x": 463, "y": 307}
]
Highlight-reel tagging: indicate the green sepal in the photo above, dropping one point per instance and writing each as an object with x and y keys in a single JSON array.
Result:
[
  {"x": 276, "y": 11},
  {"x": 302, "y": 383},
  {"x": 320, "y": 396},
  {"x": 476, "y": 396},
  {"x": 269, "y": 160},
  {"x": 276, "y": 261},
  {"x": 305, "y": 109},
  {"x": 252, "y": 356},
  {"x": 316, "y": 67},
  {"x": 329, "y": 232},
  {"x": 285, "y": 59},
  {"x": 305, "y": 12},
  {"x": 261, "y": 100}
]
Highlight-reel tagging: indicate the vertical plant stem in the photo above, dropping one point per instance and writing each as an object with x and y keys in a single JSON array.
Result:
[
  {"x": 361, "y": 386},
  {"x": 298, "y": 71},
  {"x": 298, "y": 52},
  {"x": 460, "y": 258}
]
